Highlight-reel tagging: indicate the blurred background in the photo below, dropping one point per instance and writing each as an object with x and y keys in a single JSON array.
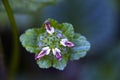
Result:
[{"x": 98, "y": 20}]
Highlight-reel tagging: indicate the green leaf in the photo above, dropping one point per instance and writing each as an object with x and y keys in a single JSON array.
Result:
[
  {"x": 67, "y": 30},
  {"x": 81, "y": 47},
  {"x": 62, "y": 63},
  {"x": 29, "y": 40},
  {"x": 54, "y": 23},
  {"x": 45, "y": 62}
]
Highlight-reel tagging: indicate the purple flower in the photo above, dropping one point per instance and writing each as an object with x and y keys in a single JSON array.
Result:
[
  {"x": 59, "y": 35},
  {"x": 56, "y": 53},
  {"x": 49, "y": 29},
  {"x": 45, "y": 51},
  {"x": 67, "y": 43}
]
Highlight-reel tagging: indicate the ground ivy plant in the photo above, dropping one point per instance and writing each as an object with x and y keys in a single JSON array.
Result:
[{"x": 54, "y": 44}]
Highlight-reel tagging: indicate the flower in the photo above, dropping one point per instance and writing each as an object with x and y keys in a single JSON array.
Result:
[
  {"x": 55, "y": 50},
  {"x": 45, "y": 51},
  {"x": 65, "y": 42},
  {"x": 57, "y": 54},
  {"x": 59, "y": 35},
  {"x": 53, "y": 44},
  {"x": 49, "y": 29}
]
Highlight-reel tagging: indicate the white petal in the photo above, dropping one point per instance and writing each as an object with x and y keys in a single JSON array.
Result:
[
  {"x": 57, "y": 50},
  {"x": 69, "y": 44},
  {"x": 53, "y": 50},
  {"x": 45, "y": 48},
  {"x": 63, "y": 41},
  {"x": 50, "y": 31},
  {"x": 48, "y": 52},
  {"x": 56, "y": 53},
  {"x": 40, "y": 55},
  {"x": 45, "y": 51}
]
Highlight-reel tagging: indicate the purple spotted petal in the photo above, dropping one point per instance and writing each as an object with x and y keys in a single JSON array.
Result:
[
  {"x": 59, "y": 35},
  {"x": 45, "y": 51},
  {"x": 57, "y": 54},
  {"x": 40, "y": 55},
  {"x": 47, "y": 25},
  {"x": 69, "y": 44},
  {"x": 49, "y": 29},
  {"x": 65, "y": 42}
]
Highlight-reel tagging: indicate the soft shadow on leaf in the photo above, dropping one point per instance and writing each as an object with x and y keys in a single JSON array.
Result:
[
  {"x": 45, "y": 62},
  {"x": 29, "y": 40},
  {"x": 81, "y": 47},
  {"x": 62, "y": 63},
  {"x": 67, "y": 29}
]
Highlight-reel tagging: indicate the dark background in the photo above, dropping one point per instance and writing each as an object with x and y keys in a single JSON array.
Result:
[{"x": 98, "y": 20}]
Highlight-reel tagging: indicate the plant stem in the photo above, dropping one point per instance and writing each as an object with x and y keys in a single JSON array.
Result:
[{"x": 15, "y": 51}]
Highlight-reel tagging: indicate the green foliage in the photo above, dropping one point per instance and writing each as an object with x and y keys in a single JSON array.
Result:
[
  {"x": 30, "y": 41},
  {"x": 45, "y": 62},
  {"x": 68, "y": 30},
  {"x": 81, "y": 47},
  {"x": 29, "y": 5},
  {"x": 61, "y": 64}
]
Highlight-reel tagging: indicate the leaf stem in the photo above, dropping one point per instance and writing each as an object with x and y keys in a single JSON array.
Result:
[{"x": 15, "y": 51}]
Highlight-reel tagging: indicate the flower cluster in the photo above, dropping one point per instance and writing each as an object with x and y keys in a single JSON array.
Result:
[
  {"x": 55, "y": 50},
  {"x": 54, "y": 44}
]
